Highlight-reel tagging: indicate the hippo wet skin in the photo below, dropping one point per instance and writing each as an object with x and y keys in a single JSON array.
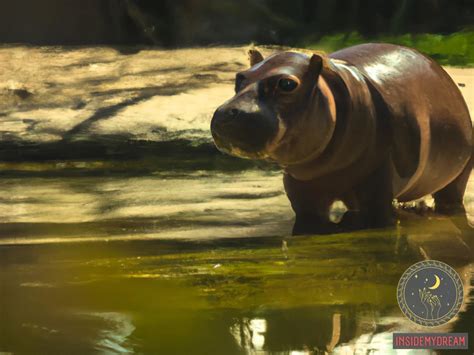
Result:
[{"x": 365, "y": 125}]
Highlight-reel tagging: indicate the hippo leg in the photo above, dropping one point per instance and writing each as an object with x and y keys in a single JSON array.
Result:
[
  {"x": 311, "y": 207},
  {"x": 315, "y": 221},
  {"x": 449, "y": 200},
  {"x": 370, "y": 204}
]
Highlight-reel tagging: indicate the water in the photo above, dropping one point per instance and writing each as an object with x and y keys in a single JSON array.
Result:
[
  {"x": 198, "y": 262},
  {"x": 123, "y": 231}
]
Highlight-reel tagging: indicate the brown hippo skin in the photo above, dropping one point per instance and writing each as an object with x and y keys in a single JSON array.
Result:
[{"x": 364, "y": 125}]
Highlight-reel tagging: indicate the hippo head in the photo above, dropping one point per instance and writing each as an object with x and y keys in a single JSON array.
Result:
[{"x": 278, "y": 111}]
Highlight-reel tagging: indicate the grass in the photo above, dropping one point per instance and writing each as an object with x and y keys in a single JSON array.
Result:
[{"x": 456, "y": 49}]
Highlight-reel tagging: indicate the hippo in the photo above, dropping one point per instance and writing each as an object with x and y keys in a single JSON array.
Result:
[{"x": 365, "y": 125}]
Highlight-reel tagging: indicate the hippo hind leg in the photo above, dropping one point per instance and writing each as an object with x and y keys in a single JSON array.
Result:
[{"x": 449, "y": 200}]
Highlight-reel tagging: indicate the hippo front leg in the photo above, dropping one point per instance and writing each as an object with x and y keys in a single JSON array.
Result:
[
  {"x": 311, "y": 207},
  {"x": 370, "y": 203},
  {"x": 313, "y": 223}
]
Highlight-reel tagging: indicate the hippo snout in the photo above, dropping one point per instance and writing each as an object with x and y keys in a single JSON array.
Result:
[{"x": 249, "y": 132}]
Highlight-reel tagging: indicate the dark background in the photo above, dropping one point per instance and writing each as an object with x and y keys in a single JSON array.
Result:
[{"x": 178, "y": 23}]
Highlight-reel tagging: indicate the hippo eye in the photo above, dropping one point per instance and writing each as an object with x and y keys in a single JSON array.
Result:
[{"x": 287, "y": 84}]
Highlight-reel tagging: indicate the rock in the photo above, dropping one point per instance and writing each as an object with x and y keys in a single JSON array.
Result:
[{"x": 22, "y": 93}]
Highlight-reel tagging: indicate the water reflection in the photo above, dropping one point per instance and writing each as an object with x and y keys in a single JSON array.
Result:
[
  {"x": 195, "y": 205},
  {"x": 250, "y": 334},
  {"x": 168, "y": 297},
  {"x": 181, "y": 275}
]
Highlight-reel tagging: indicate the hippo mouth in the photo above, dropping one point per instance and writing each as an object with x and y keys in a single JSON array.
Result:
[
  {"x": 237, "y": 150},
  {"x": 246, "y": 135},
  {"x": 241, "y": 150}
]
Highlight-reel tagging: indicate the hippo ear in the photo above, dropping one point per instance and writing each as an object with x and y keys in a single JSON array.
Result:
[
  {"x": 255, "y": 57},
  {"x": 315, "y": 65}
]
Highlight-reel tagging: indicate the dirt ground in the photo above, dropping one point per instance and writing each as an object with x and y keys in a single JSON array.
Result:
[
  {"x": 51, "y": 94},
  {"x": 464, "y": 77}
]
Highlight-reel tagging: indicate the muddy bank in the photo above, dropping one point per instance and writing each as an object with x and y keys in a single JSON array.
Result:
[{"x": 98, "y": 103}]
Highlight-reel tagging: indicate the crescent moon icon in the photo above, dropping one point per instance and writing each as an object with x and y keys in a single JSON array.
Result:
[{"x": 436, "y": 284}]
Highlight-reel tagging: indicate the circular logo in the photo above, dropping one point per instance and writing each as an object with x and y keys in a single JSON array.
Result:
[{"x": 430, "y": 293}]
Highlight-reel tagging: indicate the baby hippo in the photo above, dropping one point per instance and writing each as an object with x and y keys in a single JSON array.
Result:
[{"x": 365, "y": 125}]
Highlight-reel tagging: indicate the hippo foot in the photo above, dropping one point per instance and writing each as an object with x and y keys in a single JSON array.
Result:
[
  {"x": 450, "y": 209},
  {"x": 356, "y": 221},
  {"x": 418, "y": 207},
  {"x": 314, "y": 225},
  {"x": 350, "y": 222}
]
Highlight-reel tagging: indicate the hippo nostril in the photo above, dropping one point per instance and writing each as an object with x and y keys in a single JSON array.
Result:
[{"x": 234, "y": 112}]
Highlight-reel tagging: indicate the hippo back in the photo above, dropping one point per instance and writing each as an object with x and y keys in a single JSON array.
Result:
[{"x": 429, "y": 120}]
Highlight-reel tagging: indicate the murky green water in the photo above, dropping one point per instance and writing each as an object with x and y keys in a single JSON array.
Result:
[{"x": 200, "y": 262}]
